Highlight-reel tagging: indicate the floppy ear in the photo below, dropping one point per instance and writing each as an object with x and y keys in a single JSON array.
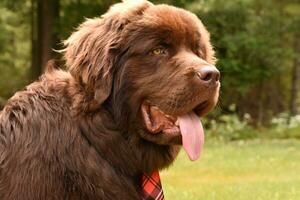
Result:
[
  {"x": 88, "y": 58},
  {"x": 90, "y": 52}
]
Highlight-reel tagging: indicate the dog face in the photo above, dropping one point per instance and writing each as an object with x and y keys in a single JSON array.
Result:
[{"x": 152, "y": 65}]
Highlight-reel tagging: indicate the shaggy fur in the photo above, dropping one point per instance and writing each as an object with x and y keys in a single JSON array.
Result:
[{"x": 79, "y": 134}]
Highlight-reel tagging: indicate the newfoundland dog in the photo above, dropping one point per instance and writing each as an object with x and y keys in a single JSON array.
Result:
[{"x": 138, "y": 80}]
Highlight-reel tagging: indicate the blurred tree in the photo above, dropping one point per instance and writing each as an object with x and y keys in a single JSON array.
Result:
[
  {"x": 295, "y": 82},
  {"x": 257, "y": 44},
  {"x": 73, "y": 12},
  {"x": 252, "y": 40},
  {"x": 178, "y": 3},
  {"x": 295, "y": 79},
  {"x": 44, "y": 38},
  {"x": 14, "y": 47},
  {"x": 294, "y": 11}
]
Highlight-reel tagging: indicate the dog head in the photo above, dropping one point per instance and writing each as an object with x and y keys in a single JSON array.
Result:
[{"x": 152, "y": 66}]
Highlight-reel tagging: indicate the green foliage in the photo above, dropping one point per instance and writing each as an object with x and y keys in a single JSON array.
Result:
[
  {"x": 14, "y": 53},
  {"x": 254, "y": 52},
  {"x": 231, "y": 127},
  {"x": 284, "y": 126},
  {"x": 74, "y": 12},
  {"x": 254, "y": 41},
  {"x": 178, "y": 3}
]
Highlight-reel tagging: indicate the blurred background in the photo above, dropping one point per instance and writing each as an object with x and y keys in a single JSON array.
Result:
[{"x": 253, "y": 137}]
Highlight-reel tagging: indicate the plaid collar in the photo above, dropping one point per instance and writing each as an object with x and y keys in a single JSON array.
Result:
[{"x": 151, "y": 186}]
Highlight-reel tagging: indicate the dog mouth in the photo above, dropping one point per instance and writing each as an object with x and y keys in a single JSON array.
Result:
[{"x": 186, "y": 124}]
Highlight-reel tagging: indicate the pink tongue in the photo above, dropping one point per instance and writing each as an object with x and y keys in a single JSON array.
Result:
[{"x": 192, "y": 134}]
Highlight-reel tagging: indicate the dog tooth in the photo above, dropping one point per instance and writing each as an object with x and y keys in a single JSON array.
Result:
[
  {"x": 155, "y": 107},
  {"x": 170, "y": 117}
]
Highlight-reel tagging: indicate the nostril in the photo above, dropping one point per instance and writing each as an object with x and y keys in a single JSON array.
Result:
[
  {"x": 208, "y": 74},
  {"x": 207, "y": 77}
]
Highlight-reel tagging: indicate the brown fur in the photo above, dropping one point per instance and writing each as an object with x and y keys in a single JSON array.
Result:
[{"x": 79, "y": 134}]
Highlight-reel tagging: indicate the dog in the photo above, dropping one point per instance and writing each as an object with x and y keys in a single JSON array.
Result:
[{"x": 138, "y": 78}]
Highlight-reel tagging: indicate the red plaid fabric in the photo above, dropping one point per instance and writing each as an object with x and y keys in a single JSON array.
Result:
[{"x": 151, "y": 185}]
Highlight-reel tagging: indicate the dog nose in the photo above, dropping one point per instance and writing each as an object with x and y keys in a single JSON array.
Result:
[{"x": 209, "y": 74}]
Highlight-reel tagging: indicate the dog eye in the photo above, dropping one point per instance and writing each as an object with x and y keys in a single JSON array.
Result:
[{"x": 159, "y": 51}]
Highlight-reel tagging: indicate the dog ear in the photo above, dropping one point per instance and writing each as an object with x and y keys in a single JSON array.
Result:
[
  {"x": 89, "y": 61},
  {"x": 90, "y": 52}
]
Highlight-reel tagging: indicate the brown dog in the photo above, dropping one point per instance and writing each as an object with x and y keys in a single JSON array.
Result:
[{"x": 138, "y": 79}]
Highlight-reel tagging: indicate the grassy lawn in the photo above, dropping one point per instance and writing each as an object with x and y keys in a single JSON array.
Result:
[{"x": 252, "y": 170}]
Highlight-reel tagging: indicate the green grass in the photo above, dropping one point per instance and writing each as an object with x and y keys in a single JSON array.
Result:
[{"x": 251, "y": 170}]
